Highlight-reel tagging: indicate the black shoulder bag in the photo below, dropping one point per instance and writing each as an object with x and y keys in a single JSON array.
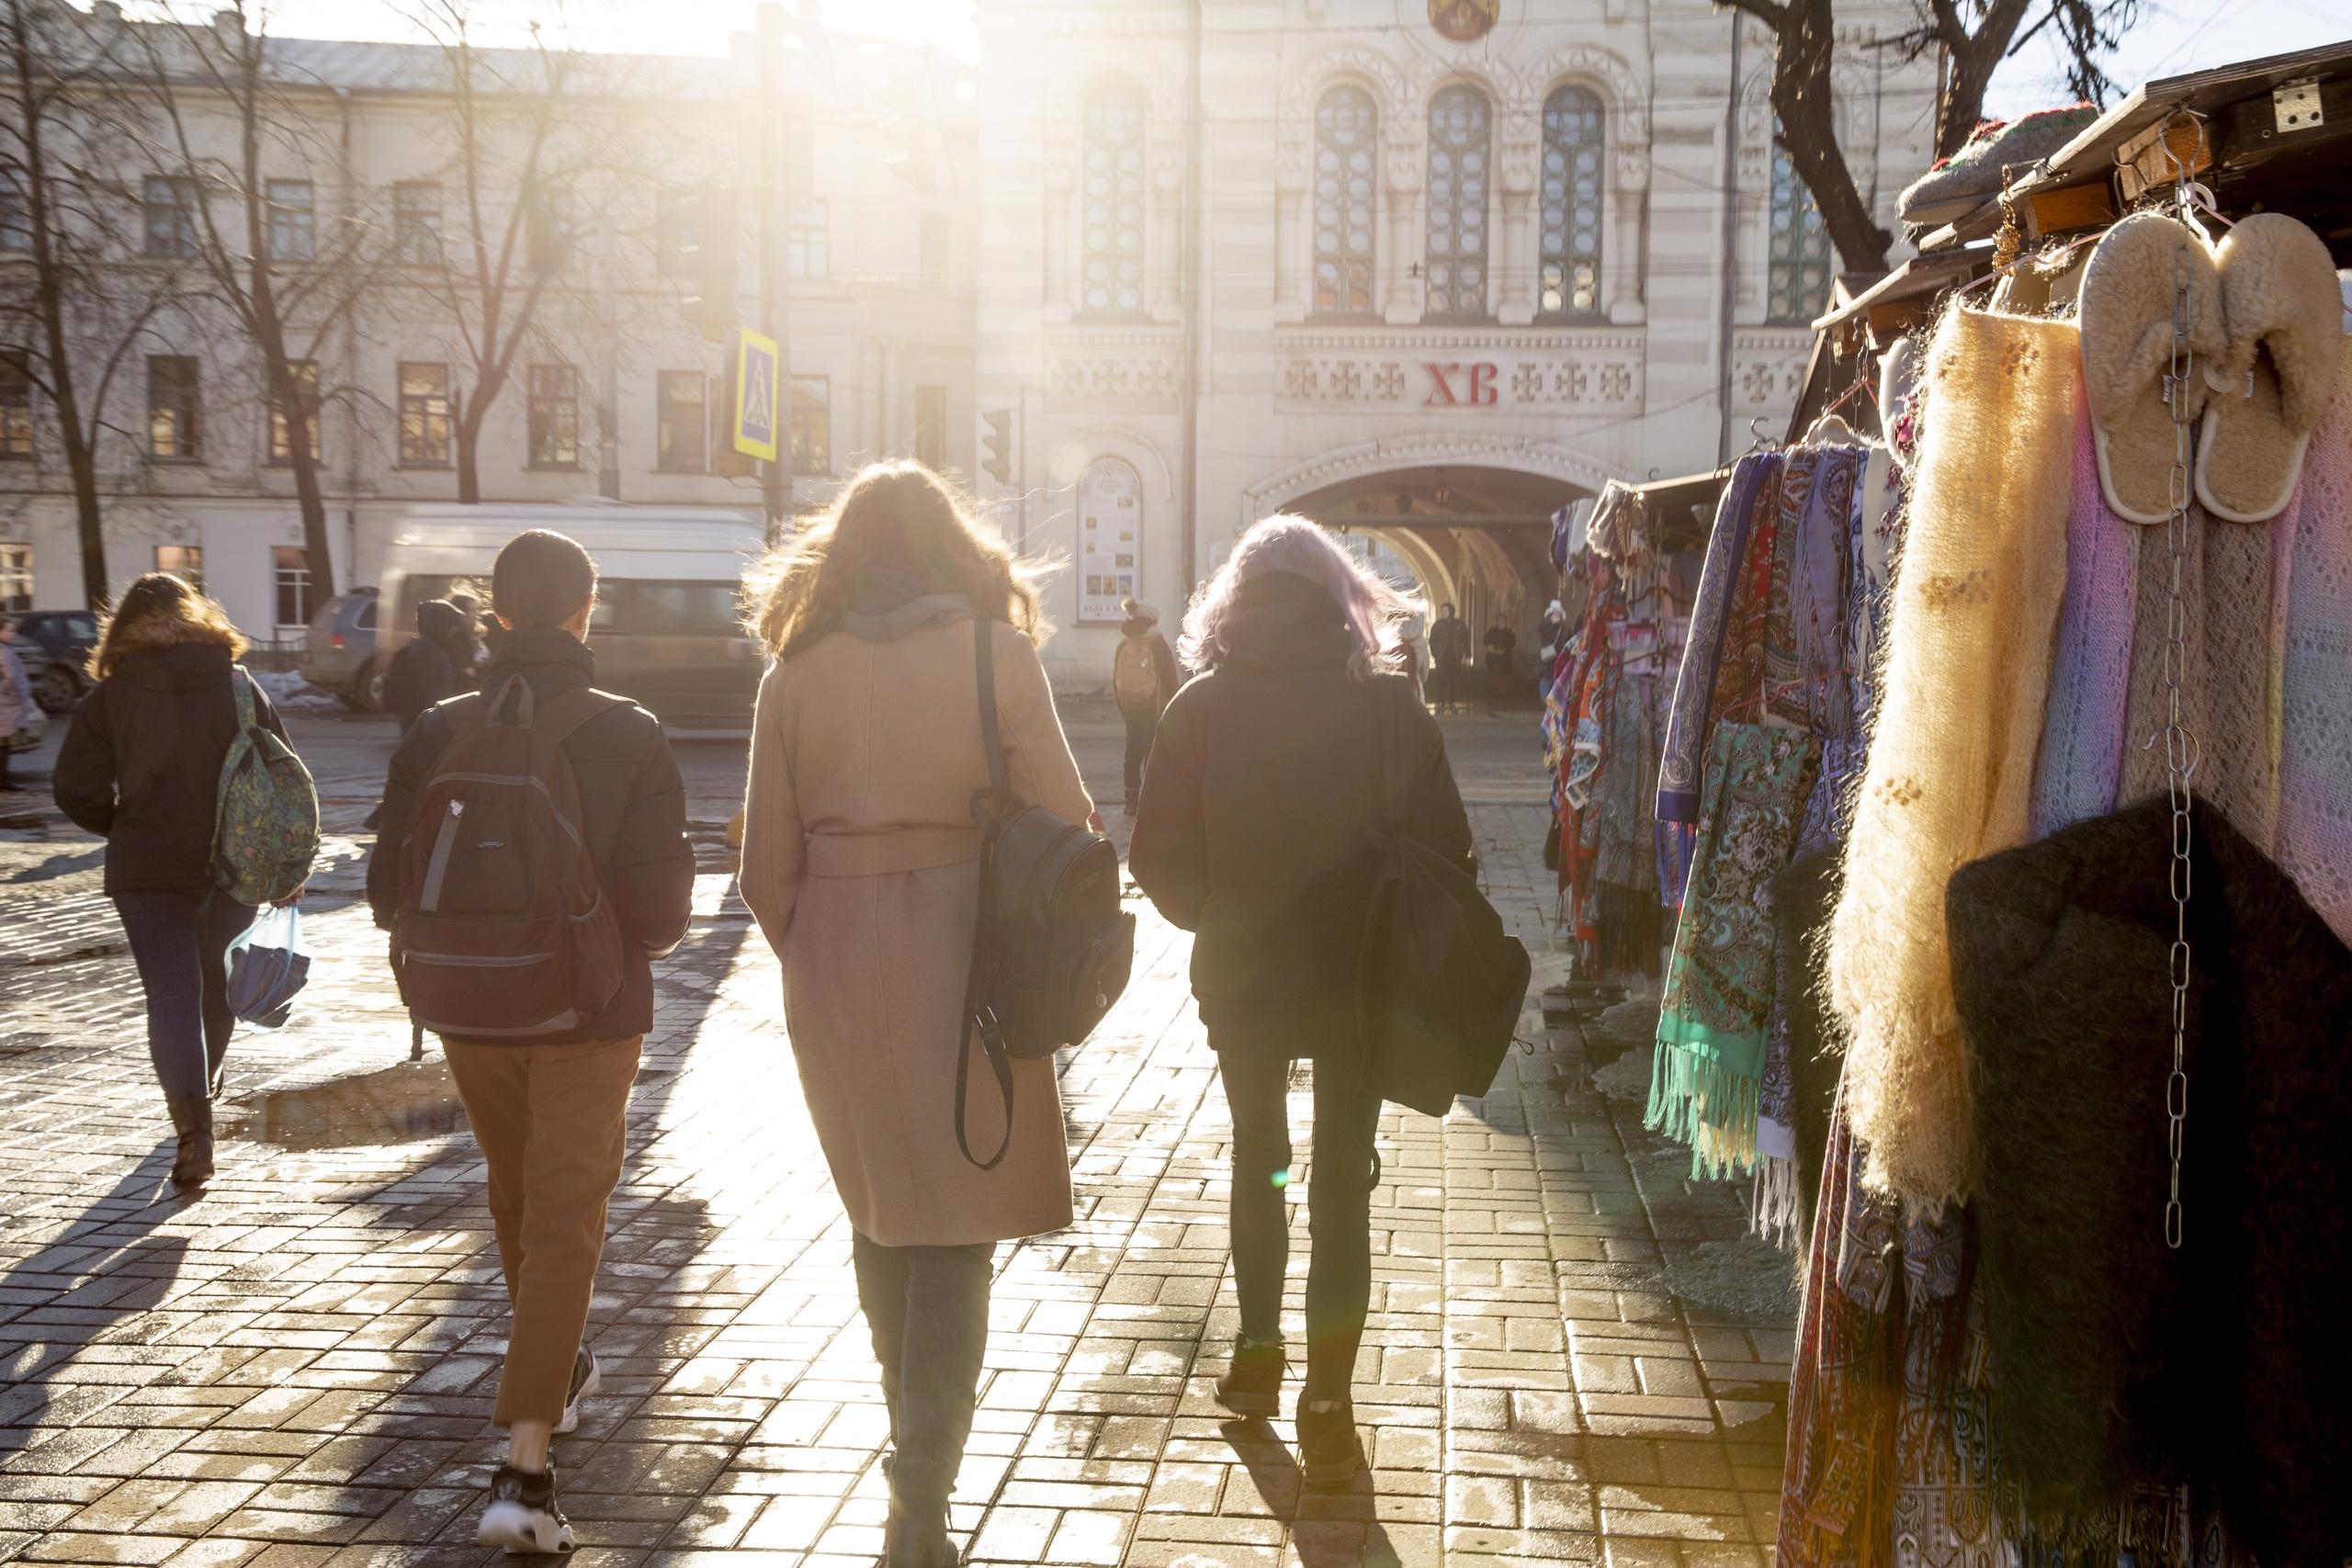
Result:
[{"x": 1052, "y": 950}]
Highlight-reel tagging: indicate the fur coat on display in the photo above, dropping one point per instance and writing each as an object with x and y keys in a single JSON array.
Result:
[{"x": 2115, "y": 1358}]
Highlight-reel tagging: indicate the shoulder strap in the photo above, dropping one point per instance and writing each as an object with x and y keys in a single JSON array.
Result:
[
  {"x": 248, "y": 711},
  {"x": 984, "y": 641},
  {"x": 560, "y": 716}
]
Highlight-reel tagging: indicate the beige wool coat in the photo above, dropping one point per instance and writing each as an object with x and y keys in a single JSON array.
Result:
[{"x": 861, "y": 862}]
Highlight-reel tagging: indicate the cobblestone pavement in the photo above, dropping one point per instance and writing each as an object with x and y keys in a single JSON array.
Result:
[{"x": 296, "y": 1368}]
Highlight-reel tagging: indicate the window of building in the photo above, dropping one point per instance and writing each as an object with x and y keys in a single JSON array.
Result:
[
  {"x": 812, "y": 424},
  {"x": 1569, "y": 268},
  {"x": 677, "y": 233},
  {"x": 15, "y": 577},
  {"x": 168, "y": 208},
  {"x": 808, "y": 240},
  {"x": 1459, "y": 125},
  {"x": 293, "y": 221},
  {"x": 1796, "y": 278},
  {"x": 682, "y": 422},
  {"x": 933, "y": 252},
  {"x": 1345, "y": 145},
  {"x": 1110, "y": 537},
  {"x": 305, "y": 376},
  {"x": 424, "y": 414},
  {"x": 16, "y": 218},
  {"x": 290, "y": 580},
  {"x": 931, "y": 426},
  {"x": 1112, "y": 202},
  {"x": 416, "y": 224},
  {"x": 551, "y": 236},
  {"x": 554, "y": 421},
  {"x": 16, "y": 409},
  {"x": 175, "y": 410},
  {"x": 183, "y": 561}
]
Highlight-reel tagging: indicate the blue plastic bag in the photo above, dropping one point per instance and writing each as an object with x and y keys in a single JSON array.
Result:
[{"x": 268, "y": 966}]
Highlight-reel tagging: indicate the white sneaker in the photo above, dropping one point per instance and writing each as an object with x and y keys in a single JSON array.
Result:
[
  {"x": 522, "y": 1514},
  {"x": 584, "y": 1382}
]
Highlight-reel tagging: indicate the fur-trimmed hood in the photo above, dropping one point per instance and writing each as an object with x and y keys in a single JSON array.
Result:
[{"x": 209, "y": 647}]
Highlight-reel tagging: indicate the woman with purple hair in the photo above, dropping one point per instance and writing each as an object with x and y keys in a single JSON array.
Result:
[{"x": 1251, "y": 834}]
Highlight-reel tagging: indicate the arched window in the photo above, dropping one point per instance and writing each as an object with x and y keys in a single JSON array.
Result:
[
  {"x": 1345, "y": 140},
  {"x": 1110, "y": 537},
  {"x": 1569, "y": 280},
  {"x": 1112, "y": 225},
  {"x": 1459, "y": 125},
  {"x": 1796, "y": 278}
]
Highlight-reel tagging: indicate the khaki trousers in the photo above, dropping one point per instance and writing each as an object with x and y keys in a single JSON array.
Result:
[{"x": 552, "y": 1122}]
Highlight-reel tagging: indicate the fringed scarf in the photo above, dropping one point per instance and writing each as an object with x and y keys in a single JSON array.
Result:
[{"x": 1951, "y": 771}]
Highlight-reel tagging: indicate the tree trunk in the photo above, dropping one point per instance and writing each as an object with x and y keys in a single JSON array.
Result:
[
  {"x": 1802, "y": 98},
  {"x": 468, "y": 467},
  {"x": 317, "y": 554},
  {"x": 89, "y": 522},
  {"x": 1963, "y": 101}
]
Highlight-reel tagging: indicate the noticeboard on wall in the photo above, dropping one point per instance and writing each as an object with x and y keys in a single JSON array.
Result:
[{"x": 1110, "y": 539}]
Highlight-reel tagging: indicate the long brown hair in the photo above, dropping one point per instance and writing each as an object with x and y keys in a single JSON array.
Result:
[
  {"x": 900, "y": 515},
  {"x": 160, "y": 611}
]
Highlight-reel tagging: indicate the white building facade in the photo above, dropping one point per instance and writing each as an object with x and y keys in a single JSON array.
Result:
[{"x": 1459, "y": 262}]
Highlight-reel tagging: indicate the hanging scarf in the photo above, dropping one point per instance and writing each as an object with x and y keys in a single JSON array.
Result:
[
  {"x": 2080, "y": 764},
  {"x": 1780, "y": 683},
  {"x": 1817, "y": 594},
  {"x": 2315, "y": 744},
  {"x": 1754, "y": 484},
  {"x": 1715, "y": 1009},
  {"x": 1741, "y": 661},
  {"x": 1951, "y": 770}
]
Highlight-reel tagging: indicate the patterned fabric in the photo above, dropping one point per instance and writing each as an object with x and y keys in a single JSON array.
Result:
[
  {"x": 1753, "y": 484},
  {"x": 1716, "y": 1003},
  {"x": 266, "y": 829},
  {"x": 2315, "y": 756},
  {"x": 1740, "y": 666},
  {"x": 1782, "y": 702},
  {"x": 2081, "y": 761}
]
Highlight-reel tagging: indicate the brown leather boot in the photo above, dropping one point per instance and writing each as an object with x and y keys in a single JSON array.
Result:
[{"x": 192, "y": 1119}]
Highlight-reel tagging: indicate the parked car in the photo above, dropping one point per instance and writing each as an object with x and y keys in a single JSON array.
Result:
[
  {"x": 54, "y": 646},
  {"x": 339, "y": 651}
]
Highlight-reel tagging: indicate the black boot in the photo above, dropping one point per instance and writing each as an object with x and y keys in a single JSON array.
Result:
[
  {"x": 1330, "y": 1453},
  {"x": 1252, "y": 1383},
  {"x": 192, "y": 1119}
]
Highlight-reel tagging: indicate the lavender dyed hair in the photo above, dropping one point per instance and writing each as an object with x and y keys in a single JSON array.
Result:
[{"x": 1373, "y": 609}]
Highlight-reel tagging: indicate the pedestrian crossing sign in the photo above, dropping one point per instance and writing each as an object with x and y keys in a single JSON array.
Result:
[{"x": 755, "y": 395}]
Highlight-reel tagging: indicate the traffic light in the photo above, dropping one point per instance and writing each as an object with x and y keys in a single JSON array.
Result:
[
  {"x": 712, "y": 232},
  {"x": 999, "y": 442}
]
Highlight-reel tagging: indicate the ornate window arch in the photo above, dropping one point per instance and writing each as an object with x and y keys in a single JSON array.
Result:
[
  {"x": 1461, "y": 171},
  {"x": 1114, "y": 193},
  {"x": 1571, "y": 194},
  {"x": 1798, "y": 253},
  {"x": 1109, "y": 538},
  {"x": 1347, "y": 159}
]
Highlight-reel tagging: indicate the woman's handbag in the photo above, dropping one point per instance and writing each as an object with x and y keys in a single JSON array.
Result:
[
  {"x": 1441, "y": 983},
  {"x": 1053, "y": 950}
]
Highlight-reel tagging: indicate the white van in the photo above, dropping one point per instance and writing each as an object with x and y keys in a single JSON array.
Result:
[{"x": 666, "y": 631}]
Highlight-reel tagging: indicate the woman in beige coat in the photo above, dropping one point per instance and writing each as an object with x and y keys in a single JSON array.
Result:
[{"x": 861, "y": 861}]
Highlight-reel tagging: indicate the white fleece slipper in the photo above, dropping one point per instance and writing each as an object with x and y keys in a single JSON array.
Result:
[
  {"x": 2282, "y": 312},
  {"x": 2127, "y": 332}
]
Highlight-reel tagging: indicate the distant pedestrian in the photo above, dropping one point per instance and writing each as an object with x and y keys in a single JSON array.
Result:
[
  {"x": 1502, "y": 646},
  {"x": 481, "y": 635},
  {"x": 141, "y": 767},
  {"x": 1143, "y": 677},
  {"x": 431, "y": 665},
  {"x": 17, "y": 706},
  {"x": 547, "y": 1100},
  {"x": 862, "y": 863},
  {"x": 1252, "y": 835},
  {"x": 1449, "y": 656}
]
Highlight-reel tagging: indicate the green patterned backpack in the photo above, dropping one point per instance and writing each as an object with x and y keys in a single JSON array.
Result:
[{"x": 266, "y": 831}]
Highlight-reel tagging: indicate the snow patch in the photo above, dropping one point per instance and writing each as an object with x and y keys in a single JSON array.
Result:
[{"x": 289, "y": 691}]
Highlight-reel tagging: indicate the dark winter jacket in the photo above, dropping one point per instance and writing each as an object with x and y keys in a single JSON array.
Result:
[
  {"x": 425, "y": 670},
  {"x": 634, "y": 802},
  {"x": 1251, "y": 831},
  {"x": 1449, "y": 642},
  {"x": 141, "y": 765}
]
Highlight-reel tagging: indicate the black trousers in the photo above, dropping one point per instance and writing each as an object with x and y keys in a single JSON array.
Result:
[
  {"x": 1142, "y": 729},
  {"x": 1339, "y": 1209},
  {"x": 927, "y": 1308}
]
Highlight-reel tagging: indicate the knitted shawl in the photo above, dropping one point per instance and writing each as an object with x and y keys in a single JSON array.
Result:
[
  {"x": 1951, "y": 769},
  {"x": 2315, "y": 759},
  {"x": 2081, "y": 761},
  {"x": 1754, "y": 484}
]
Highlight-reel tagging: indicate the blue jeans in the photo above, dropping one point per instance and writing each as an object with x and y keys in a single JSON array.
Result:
[{"x": 180, "y": 943}]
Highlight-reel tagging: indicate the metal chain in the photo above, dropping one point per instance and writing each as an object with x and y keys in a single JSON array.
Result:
[{"x": 2180, "y": 745}]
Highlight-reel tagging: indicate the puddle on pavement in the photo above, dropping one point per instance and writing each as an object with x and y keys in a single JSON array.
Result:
[{"x": 404, "y": 1104}]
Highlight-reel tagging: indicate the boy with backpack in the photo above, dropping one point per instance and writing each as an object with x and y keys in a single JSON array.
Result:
[
  {"x": 533, "y": 863},
  {"x": 1143, "y": 678}
]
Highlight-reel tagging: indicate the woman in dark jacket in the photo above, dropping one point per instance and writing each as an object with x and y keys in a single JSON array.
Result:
[
  {"x": 1251, "y": 834},
  {"x": 141, "y": 767}
]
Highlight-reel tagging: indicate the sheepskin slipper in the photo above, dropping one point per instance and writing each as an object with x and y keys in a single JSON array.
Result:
[
  {"x": 2282, "y": 312},
  {"x": 2127, "y": 329}
]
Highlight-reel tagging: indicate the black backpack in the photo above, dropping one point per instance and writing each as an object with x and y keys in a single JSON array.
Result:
[
  {"x": 1053, "y": 950},
  {"x": 1440, "y": 983}
]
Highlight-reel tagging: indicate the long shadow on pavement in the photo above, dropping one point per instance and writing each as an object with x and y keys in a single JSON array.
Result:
[{"x": 1328, "y": 1529}]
